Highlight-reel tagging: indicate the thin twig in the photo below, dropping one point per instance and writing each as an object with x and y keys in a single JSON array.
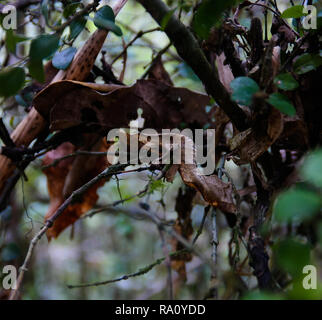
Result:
[
  {"x": 199, "y": 231},
  {"x": 78, "y": 14},
  {"x": 49, "y": 223},
  {"x": 140, "y": 272},
  {"x": 160, "y": 53},
  {"x": 138, "y": 35}
]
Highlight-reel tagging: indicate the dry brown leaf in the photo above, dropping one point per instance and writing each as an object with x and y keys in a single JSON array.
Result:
[
  {"x": 249, "y": 145},
  {"x": 224, "y": 72},
  {"x": 163, "y": 106},
  {"x": 216, "y": 192},
  {"x": 62, "y": 180},
  {"x": 158, "y": 72}
]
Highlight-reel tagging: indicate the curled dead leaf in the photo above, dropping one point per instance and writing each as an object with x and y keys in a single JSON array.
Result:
[
  {"x": 214, "y": 191},
  {"x": 63, "y": 178},
  {"x": 158, "y": 72},
  {"x": 70, "y": 103},
  {"x": 251, "y": 144}
]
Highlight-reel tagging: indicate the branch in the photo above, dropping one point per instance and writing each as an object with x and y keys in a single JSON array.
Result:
[
  {"x": 49, "y": 223},
  {"x": 140, "y": 272},
  {"x": 138, "y": 35},
  {"x": 78, "y": 14},
  {"x": 189, "y": 49}
]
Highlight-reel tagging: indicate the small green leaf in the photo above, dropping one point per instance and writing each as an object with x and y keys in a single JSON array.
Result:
[
  {"x": 36, "y": 70},
  {"x": 70, "y": 9},
  {"x": 76, "y": 27},
  {"x": 63, "y": 59},
  {"x": 293, "y": 12},
  {"x": 285, "y": 81},
  {"x": 12, "y": 39},
  {"x": 43, "y": 46},
  {"x": 11, "y": 81},
  {"x": 307, "y": 62},
  {"x": 105, "y": 19},
  {"x": 209, "y": 13},
  {"x": 243, "y": 90},
  {"x": 298, "y": 204},
  {"x": 156, "y": 185},
  {"x": 282, "y": 103},
  {"x": 292, "y": 256},
  {"x": 311, "y": 169}
]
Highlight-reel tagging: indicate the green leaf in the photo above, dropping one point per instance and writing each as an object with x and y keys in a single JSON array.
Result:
[
  {"x": 12, "y": 39},
  {"x": 285, "y": 81},
  {"x": 36, "y": 70},
  {"x": 105, "y": 19},
  {"x": 11, "y": 81},
  {"x": 307, "y": 62},
  {"x": 243, "y": 90},
  {"x": 292, "y": 256},
  {"x": 311, "y": 169},
  {"x": 156, "y": 185},
  {"x": 43, "y": 46},
  {"x": 10, "y": 252},
  {"x": 76, "y": 27},
  {"x": 209, "y": 14},
  {"x": 282, "y": 103},
  {"x": 63, "y": 59},
  {"x": 298, "y": 204},
  {"x": 293, "y": 12},
  {"x": 70, "y": 9}
]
